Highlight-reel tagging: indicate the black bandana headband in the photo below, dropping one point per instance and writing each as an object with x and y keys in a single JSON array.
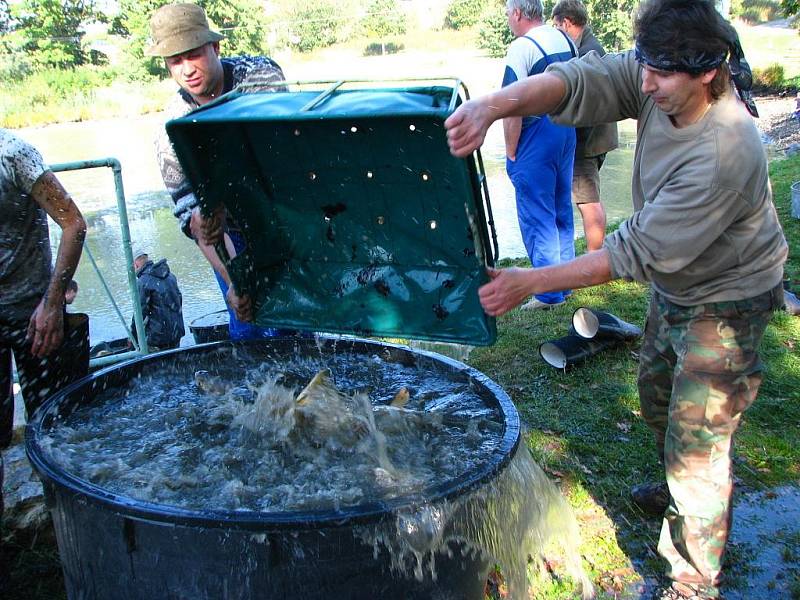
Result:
[{"x": 703, "y": 62}]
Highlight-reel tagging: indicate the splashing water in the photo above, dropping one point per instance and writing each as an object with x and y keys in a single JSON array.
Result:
[
  {"x": 506, "y": 522},
  {"x": 241, "y": 437}
]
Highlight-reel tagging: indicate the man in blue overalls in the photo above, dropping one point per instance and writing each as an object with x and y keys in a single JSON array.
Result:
[{"x": 540, "y": 154}]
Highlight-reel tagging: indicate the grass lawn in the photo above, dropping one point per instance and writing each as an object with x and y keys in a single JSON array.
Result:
[
  {"x": 585, "y": 430},
  {"x": 764, "y": 45}
]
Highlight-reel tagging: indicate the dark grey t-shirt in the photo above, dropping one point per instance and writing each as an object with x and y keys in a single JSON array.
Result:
[{"x": 25, "y": 257}]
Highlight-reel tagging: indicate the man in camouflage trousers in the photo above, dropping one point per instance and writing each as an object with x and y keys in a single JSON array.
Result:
[
  {"x": 704, "y": 234},
  {"x": 699, "y": 370}
]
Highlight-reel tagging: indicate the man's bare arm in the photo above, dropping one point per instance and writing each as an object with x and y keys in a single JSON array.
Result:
[
  {"x": 241, "y": 305},
  {"x": 536, "y": 95},
  {"x": 46, "y": 325},
  {"x": 510, "y": 287},
  {"x": 512, "y": 128}
]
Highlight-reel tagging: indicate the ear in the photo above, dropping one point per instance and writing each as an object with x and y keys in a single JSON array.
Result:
[{"x": 708, "y": 76}]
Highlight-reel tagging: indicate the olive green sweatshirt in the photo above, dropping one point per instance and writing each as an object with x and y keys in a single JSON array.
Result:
[{"x": 704, "y": 227}]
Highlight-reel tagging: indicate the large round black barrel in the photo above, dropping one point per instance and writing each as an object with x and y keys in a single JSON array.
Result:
[
  {"x": 212, "y": 327},
  {"x": 113, "y": 546}
]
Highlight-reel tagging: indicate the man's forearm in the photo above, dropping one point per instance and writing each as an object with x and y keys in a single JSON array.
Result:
[
  {"x": 587, "y": 270},
  {"x": 51, "y": 195},
  {"x": 536, "y": 95},
  {"x": 512, "y": 128},
  {"x": 213, "y": 258},
  {"x": 69, "y": 254}
]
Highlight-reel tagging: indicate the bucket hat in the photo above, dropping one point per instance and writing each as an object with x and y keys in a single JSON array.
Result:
[{"x": 177, "y": 28}]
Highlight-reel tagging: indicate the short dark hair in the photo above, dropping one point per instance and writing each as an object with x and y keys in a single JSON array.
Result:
[
  {"x": 72, "y": 285},
  {"x": 574, "y": 10},
  {"x": 676, "y": 29}
]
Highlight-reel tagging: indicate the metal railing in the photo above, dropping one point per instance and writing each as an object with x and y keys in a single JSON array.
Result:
[{"x": 140, "y": 345}]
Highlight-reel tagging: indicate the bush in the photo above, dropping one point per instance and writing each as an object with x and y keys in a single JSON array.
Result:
[
  {"x": 378, "y": 48},
  {"x": 314, "y": 27},
  {"x": 758, "y": 11},
  {"x": 464, "y": 13},
  {"x": 495, "y": 36},
  {"x": 771, "y": 77}
]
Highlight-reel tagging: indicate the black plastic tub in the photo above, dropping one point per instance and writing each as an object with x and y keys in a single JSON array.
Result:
[
  {"x": 212, "y": 327},
  {"x": 113, "y": 546}
]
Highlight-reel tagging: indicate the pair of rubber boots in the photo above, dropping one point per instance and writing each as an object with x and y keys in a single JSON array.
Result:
[{"x": 591, "y": 332}]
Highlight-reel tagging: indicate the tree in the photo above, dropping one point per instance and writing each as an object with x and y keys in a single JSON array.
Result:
[
  {"x": 789, "y": 8},
  {"x": 495, "y": 36},
  {"x": 612, "y": 22},
  {"x": 464, "y": 13},
  {"x": 314, "y": 26},
  {"x": 383, "y": 19},
  {"x": 51, "y": 30}
]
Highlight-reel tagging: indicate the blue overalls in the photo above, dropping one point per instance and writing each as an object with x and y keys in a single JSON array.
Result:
[{"x": 542, "y": 179}]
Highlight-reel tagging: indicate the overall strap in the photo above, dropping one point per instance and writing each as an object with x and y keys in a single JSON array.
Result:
[{"x": 539, "y": 46}]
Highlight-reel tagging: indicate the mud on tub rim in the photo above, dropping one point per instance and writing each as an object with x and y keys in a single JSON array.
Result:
[{"x": 361, "y": 514}]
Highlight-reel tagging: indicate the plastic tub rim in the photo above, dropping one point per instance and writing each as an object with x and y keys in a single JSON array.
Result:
[{"x": 295, "y": 520}]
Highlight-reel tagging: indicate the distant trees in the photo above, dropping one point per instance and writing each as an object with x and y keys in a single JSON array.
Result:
[
  {"x": 314, "y": 25},
  {"x": 612, "y": 22},
  {"x": 49, "y": 31},
  {"x": 383, "y": 18},
  {"x": 464, "y": 13}
]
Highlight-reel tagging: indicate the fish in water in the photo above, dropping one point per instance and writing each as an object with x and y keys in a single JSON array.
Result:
[
  {"x": 321, "y": 381},
  {"x": 210, "y": 384},
  {"x": 401, "y": 398}
]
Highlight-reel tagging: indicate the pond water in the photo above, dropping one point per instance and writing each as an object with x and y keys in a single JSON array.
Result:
[{"x": 130, "y": 140}]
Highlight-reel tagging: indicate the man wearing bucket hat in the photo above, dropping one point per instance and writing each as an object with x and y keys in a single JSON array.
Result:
[
  {"x": 704, "y": 234},
  {"x": 182, "y": 37}
]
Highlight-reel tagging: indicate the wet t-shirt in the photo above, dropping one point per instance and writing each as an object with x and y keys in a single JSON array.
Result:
[{"x": 25, "y": 256}]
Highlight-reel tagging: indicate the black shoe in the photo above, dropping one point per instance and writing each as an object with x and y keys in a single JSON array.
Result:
[{"x": 652, "y": 498}]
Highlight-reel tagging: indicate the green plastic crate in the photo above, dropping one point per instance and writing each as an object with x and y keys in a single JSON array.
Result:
[{"x": 357, "y": 218}]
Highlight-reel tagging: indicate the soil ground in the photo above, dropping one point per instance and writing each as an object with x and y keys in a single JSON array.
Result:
[{"x": 777, "y": 122}]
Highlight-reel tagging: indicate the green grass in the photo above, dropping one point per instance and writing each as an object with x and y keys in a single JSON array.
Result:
[
  {"x": 586, "y": 432},
  {"x": 774, "y": 45},
  {"x": 81, "y": 94}
]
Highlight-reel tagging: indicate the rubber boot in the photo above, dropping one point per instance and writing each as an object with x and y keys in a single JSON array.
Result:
[
  {"x": 791, "y": 303},
  {"x": 594, "y": 324},
  {"x": 570, "y": 350}
]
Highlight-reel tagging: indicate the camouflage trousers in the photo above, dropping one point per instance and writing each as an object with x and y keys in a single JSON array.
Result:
[{"x": 699, "y": 370}]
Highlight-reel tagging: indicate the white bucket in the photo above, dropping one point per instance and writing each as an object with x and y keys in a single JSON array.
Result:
[{"x": 796, "y": 199}]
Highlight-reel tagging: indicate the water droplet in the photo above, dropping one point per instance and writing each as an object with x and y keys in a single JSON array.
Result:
[
  {"x": 432, "y": 224},
  {"x": 380, "y": 220}
]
